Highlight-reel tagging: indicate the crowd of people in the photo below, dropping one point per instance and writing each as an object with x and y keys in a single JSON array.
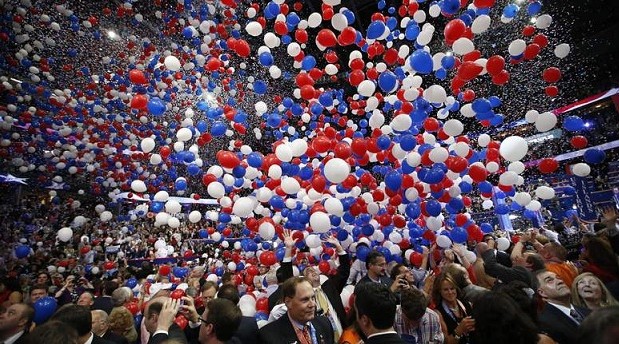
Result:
[{"x": 107, "y": 285}]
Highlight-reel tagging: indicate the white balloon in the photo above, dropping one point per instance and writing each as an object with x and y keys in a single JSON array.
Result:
[
  {"x": 434, "y": 223},
  {"x": 517, "y": 47},
  {"x": 172, "y": 63},
  {"x": 502, "y": 244},
  {"x": 534, "y": 205},
  {"x": 162, "y": 196},
  {"x": 184, "y": 134},
  {"x": 581, "y": 169},
  {"x": 105, "y": 216},
  {"x": 366, "y": 88},
  {"x": 334, "y": 207},
  {"x": 195, "y": 216},
  {"x": 435, "y": 94},
  {"x": 266, "y": 230},
  {"x": 487, "y": 204},
  {"x": 401, "y": 123},
  {"x": 320, "y": 222},
  {"x": 463, "y": 46},
  {"x": 65, "y": 234},
  {"x": 336, "y": 170},
  {"x": 216, "y": 190},
  {"x": 443, "y": 241},
  {"x": 284, "y": 153},
  {"x": 147, "y": 145},
  {"x": 516, "y": 167},
  {"x": 173, "y": 222},
  {"x": 481, "y": 24},
  {"x": 172, "y": 206},
  {"x": 138, "y": 186},
  {"x": 543, "y": 21},
  {"x": 439, "y": 154},
  {"x": 514, "y": 148},
  {"x": 545, "y": 121},
  {"x": 522, "y": 198},
  {"x": 254, "y": 28},
  {"x": 453, "y": 127},
  {"x": 243, "y": 207},
  {"x": 313, "y": 241},
  {"x": 483, "y": 140},
  {"x": 531, "y": 116},
  {"x": 545, "y": 192},
  {"x": 290, "y": 186},
  {"x": 562, "y": 50}
]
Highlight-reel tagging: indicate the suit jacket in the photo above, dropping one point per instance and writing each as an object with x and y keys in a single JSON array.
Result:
[
  {"x": 114, "y": 338},
  {"x": 175, "y": 332},
  {"x": 277, "y": 294},
  {"x": 281, "y": 331},
  {"x": 504, "y": 273},
  {"x": 503, "y": 259},
  {"x": 333, "y": 288},
  {"x": 98, "y": 340},
  {"x": 559, "y": 326},
  {"x": 103, "y": 303},
  {"x": 247, "y": 333},
  {"x": 388, "y": 338}
]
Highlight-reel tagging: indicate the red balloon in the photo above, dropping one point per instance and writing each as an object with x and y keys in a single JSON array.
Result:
[
  {"x": 109, "y": 265},
  {"x": 181, "y": 321},
  {"x": 551, "y": 91},
  {"x": 551, "y": 74},
  {"x": 469, "y": 70},
  {"x": 501, "y": 78},
  {"x": 495, "y": 64},
  {"x": 483, "y": 3},
  {"x": 478, "y": 173},
  {"x": 137, "y": 76},
  {"x": 132, "y": 307},
  {"x": 347, "y": 36},
  {"x": 164, "y": 270},
  {"x": 268, "y": 258},
  {"x": 416, "y": 259},
  {"x": 139, "y": 102},
  {"x": 548, "y": 165},
  {"x": 324, "y": 267},
  {"x": 579, "y": 142},
  {"x": 531, "y": 51},
  {"x": 431, "y": 124},
  {"x": 326, "y": 38},
  {"x": 85, "y": 249},
  {"x": 262, "y": 305},
  {"x": 242, "y": 48},
  {"x": 228, "y": 159},
  {"x": 177, "y": 294},
  {"x": 457, "y": 163},
  {"x": 213, "y": 64},
  {"x": 454, "y": 30},
  {"x": 541, "y": 40}
]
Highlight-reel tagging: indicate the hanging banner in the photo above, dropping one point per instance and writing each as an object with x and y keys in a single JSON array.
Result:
[{"x": 586, "y": 207}]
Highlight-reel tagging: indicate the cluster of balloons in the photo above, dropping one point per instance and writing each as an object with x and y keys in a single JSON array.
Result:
[{"x": 386, "y": 158}]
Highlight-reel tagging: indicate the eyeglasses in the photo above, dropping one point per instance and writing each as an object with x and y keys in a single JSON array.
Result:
[{"x": 206, "y": 322}]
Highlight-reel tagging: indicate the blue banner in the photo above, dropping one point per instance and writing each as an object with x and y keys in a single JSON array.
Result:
[{"x": 586, "y": 207}]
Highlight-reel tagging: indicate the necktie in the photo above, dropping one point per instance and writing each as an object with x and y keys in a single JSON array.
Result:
[
  {"x": 306, "y": 334},
  {"x": 321, "y": 299},
  {"x": 576, "y": 316}
]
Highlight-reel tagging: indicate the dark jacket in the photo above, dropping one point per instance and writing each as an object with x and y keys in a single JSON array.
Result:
[
  {"x": 281, "y": 331},
  {"x": 277, "y": 294},
  {"x": 334, "y": 285},
  {"x": 558, "y": 325}
]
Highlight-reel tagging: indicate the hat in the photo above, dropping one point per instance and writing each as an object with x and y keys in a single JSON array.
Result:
[{"x": 156, "y": 287}]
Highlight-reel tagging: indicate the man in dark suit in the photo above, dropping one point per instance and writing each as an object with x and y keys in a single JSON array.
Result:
[
  {"x": 220, "y": 321},
  {"x": 284, "y": 272},
  {"x": 501, "y": 257},
  {"x": 100, "y": 327},
  {"x": 559, "y": 318},
  {"x": 376, "y": 264},
  {"x": 376, "y": 306},
  {"x": 328, "y": 300},
  {"x": 300, "y": 323},
  {"x": 104, "y": 302},
  {"x": 247, "y": 332},
  {"x": 80, "y": 318},
  {"x": 15, "y": 321},
  {"x": 159, "y": 320}
]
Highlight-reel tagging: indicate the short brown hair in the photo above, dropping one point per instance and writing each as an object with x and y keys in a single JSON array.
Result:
[
  {"x": 413, "y": 303},
  {"x": 289, "y": 288}
]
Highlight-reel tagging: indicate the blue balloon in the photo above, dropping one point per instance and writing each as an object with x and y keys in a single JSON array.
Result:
[
  {"x": 22, "y": 251},
  {"x": 362, "y": 252},
  {"x": 486, "y": 227},
  {"x": 449, "y": 7},
  {"x": 459, "y": 235},
  {"x": 266, "y": 59},
  {"x": 387, "y": 81},
  {"x": 501, "y": 209},
  {"x": 510, "y": 11},
  {"x": 188, "y": 32},
  {"x": 573, "y": 123},
  {"x": 308, "y": 62},
  {"x": 218, "y": 129},
  {"x": 534, "y": 8},
  {"x": 481, "y": 105},
  {"x": 594, "y": 156},
  {"x": 433, "y": 207},
  {"x": 393, "y": 180},
  {"x": 131, "y": 282},
  {"x": 260, "y": 87},
  {"x": 44, "y": 308},
  {"x": 156, "y": 106},
  {"x": 421, "y": 61},
  {"x": 375, "y": 29}
]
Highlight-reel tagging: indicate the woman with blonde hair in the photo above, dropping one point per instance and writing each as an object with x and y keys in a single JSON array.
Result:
[
  {"x": 121, "y": 323},
  {"x": 589, "y": 291}
]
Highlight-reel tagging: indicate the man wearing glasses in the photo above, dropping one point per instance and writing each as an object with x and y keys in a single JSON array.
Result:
[{"x": 377, "y": 273}]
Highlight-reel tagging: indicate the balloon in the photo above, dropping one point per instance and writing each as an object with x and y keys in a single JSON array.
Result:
[
  {"x": 551, "y": 74},
  {"x": 172, "y": 63},
  {"x": 545, "y": 192},
  {"x": 65, "y": 234},
  {"x": 421, "y": 61},
  {"x": 545, "y": 121},
  {"x": 548, "y": 165},
  {"x": 573, "y": 123},
  {"x": 443, "y": 241},
  {"x": 22, "y": 251},
  {"x": 562, "y": 50},
  {"x": 594, "y": 156},
  {"x": 513, "y": 148},
  {"x": 336, "y": 170},
  {"x": 44, "y": 308},
  {"x": 502, "y": 244},
  {"x": 579, "y": 142}
]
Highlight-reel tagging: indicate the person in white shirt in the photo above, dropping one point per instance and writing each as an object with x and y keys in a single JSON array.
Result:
[{"x": 15, "y": 322}]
